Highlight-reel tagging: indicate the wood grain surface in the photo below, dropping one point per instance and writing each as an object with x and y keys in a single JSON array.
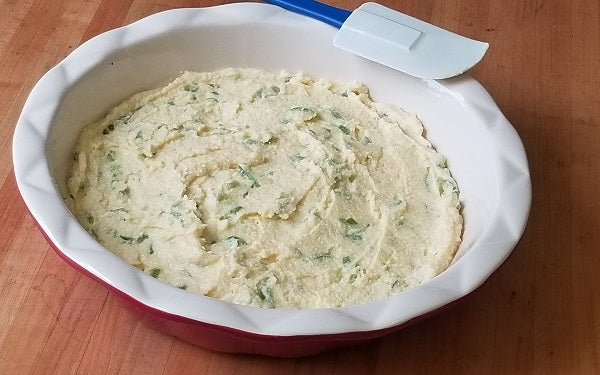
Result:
[{"x": 538, "y": 314}]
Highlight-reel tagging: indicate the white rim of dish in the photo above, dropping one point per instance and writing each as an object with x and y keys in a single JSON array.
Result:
[{"x": 41, "y": 196}]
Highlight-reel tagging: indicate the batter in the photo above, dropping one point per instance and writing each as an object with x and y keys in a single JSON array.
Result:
[{"x": 268, "y": 189}]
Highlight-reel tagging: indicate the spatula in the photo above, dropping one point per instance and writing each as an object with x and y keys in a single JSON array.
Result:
[{"x": 397, "y": 40}]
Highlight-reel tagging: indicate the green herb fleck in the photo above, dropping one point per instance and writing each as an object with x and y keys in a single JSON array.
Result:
[
  {"x": 141, "y": 238},
  {"x": 271, "y": 140},
  {"x": 183, "y": 287},
  {"x": 344, "y": 129},
  {"x": 352, "y": 230},
  {"x": 343, "y": 192},
  {"x": 321, "y": 256},
  {"x": 111, "y": 155},
  {"x": 249, "y": 141},
  {"x": 108, "y": 129},
  {"x": 356, "y": 236},
  {"x": 235, "y": 210},
  {"x": 283, "y": 201},
  {"x": 302, "y": 109},
  {"x": 245, "y": 172},
  {"x": 192, "y": 87},
  {"x": 115, "y": 172},
  {"x": 348, "y": 221},
  {"x": 235, "y": 241},
  {"x": 125, "y": 118},
  {"x": 335, "y": 114},
  {"x": 346, "y": 260},
  {"x": 305, "y": 113},
  {"x": 221, "y": 196},
  {"x": 127, "y": 239},
  {"x": 443, "y": 184},
  {"x": 263, "y": 291},
  {"x": 155, "y": 272},
  {"x": 179, "y": 128},
  {"x": 297, "y": 157}
]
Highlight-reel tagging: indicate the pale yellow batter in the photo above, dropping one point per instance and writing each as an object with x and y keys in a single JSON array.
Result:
[{"x": 271, "y": 190}]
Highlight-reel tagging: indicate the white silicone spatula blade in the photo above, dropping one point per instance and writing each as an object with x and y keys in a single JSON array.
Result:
[
  {"x": 395, "y": 39},
  {"x": 407, "y": 44}
]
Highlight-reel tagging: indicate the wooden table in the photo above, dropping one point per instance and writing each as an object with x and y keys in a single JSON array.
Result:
[{"x": 539, "y": 313}]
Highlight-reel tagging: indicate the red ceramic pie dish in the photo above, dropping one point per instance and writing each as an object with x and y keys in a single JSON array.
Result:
[{"x": 484, "y": 153}]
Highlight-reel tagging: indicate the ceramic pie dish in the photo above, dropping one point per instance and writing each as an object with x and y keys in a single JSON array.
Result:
[{"x": 484, "y": 153}]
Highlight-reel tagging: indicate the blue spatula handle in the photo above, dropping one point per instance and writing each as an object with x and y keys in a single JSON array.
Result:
[{"x": 313, "y": 9}]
